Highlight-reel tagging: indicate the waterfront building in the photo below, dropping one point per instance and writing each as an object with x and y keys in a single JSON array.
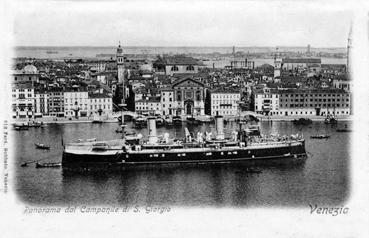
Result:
[
  {"x": 41, "y": 103},
  {"x": 28, "y": 74},
  {"x": 23, "y": 100},
  {"x": 317, "y": 102},
  {"x": 167, "y": 101},
  {"x": 302, "y": 102},
  {"x": 242, "y": 64},
  {"x": 56, "y": 102},
  {"x": 150, "y": 106},
  {"x": 266, "y": 101},
  {"x": 298, "y": 64},
  {"x": 224, "y": 102},
  {"x": 100, "y": 104},
  {"x": 189, "y": 95},
  {"x": 76, "y": 103},
  {"x": 178, "y": 64}
]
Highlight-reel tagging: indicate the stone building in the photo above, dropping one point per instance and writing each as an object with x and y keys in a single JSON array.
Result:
[
  {"x": 224, "y": 102},
  {"x": 178, "y": 64},
  {"x": 189, "y": 95}
]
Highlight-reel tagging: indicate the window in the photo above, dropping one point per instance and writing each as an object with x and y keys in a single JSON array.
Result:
[
  {"x": 190, "y": 68},
  {"x": 174, "y": 68}
]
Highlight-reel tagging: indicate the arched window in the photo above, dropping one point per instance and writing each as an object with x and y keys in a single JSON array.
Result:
[
  {"x": 178, "y": 96},
  {"x": 174, "y": 68},
  {"x": 190, "y": 68}
]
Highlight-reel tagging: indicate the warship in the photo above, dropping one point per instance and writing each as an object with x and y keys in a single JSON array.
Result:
[{"x": 199, "y": 148}]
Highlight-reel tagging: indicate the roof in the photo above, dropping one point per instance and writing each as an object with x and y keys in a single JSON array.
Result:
[
  {"x": 302, "y": 60},
  {"x": 98, "y": 95},
  {"x": 313, "y": 90},
  {"x": 177, "y": 60},
  {"x": 150, "y": 100},
  {"x": 225, "y": 90},
  {"x": 184, "y": 79},
  {"x": 27, "y": 85}
]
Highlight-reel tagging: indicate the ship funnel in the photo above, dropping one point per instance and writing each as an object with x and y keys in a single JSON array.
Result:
[
  {"x": 153, "y": 139},
  {"x": 219, "y": 125}
]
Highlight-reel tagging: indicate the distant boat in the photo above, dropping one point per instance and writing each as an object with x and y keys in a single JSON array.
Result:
[
  {"x": 20, "y": 127},
  {"x": 321, "y": 136},
  {"x": 345, "y": 129},
  {"x": 42, "y": 146},
  {"x": 302, "y": 121},
  {"x": 52, "y": 52},
  {"x": 97, "y": 120},
  {"x": 86, "y": 140},
  {"x": 48, "y": 165},
  {"x": 253, "y": 170}
]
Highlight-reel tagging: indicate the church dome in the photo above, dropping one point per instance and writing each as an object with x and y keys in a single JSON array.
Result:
[{"x": 30, "y": 69}]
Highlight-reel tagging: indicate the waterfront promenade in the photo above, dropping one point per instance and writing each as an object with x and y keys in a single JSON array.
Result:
[{"x": 113, "y": 119}]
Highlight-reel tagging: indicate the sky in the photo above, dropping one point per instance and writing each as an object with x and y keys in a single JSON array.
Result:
[{"x": 177, "y": 23}]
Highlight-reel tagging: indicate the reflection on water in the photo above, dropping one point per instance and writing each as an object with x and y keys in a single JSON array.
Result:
[{"x": 322, "y": 179}]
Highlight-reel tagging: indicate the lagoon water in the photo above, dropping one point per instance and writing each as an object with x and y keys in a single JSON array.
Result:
[{"x": 322, "y": 179}]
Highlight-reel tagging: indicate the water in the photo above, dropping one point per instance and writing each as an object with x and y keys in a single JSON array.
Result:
[
  {"x": 322, "y": 179},
  {"x": 91, "y": 52}
]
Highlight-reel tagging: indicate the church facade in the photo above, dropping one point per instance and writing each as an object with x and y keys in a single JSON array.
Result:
[{"x": 189, "y": 95}]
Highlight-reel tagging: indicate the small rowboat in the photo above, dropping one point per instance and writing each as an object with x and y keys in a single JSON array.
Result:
[
  {"x": 320, "y": 136},
  {"x": 42, "y": 146},
  {"x": 48, "y": 165},
  {"x": 253, "y": 171}
]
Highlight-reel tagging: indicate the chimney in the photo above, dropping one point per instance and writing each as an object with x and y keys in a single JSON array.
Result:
[
  {"x": 219, "y": 126},
  {"x": 153, "y": 139}
]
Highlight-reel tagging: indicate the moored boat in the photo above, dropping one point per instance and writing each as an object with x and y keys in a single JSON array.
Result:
[
  {"x": 330, "y": 119},
  {"x": 168, "y": 121},
  {"x": 42, "y": 146},
  {"x": 48, "y": 165},
  {"x": 140, "y": 121},
  {"x": 320, "y": 136},
  {"x": 177, "y": 120},
  {"x": 302, "y": 121}
]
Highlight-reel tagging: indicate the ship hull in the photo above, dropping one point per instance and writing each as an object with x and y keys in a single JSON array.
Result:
[{"x": 295, "y": 151}]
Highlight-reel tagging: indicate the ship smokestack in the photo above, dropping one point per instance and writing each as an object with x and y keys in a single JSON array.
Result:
[
  {"x": 219, "y": 125},
  {"x": 153, "y": 139}
]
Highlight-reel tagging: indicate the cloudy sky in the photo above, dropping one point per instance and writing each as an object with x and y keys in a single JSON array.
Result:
[{"x": 177, "y": 23}]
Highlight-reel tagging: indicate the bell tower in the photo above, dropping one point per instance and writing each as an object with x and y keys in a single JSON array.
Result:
[
  {"x": 277, "y": 64},
  {"x": 120, "y": 65},
  {"x": 349, "y": 46}
]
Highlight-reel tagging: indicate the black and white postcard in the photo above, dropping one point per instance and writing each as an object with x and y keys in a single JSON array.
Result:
[{"x": 184, "y": 118}]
